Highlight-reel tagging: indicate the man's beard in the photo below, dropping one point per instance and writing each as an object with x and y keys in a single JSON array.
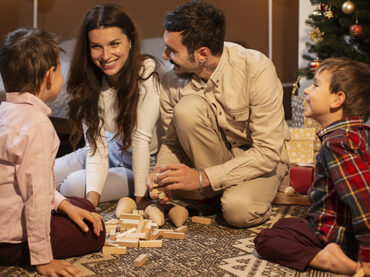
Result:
[{"x": 184, "y": 75}]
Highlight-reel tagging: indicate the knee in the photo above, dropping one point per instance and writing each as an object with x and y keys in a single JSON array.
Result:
[
  {"x": 188, "y": 112},
  {"x": 243, "y": 212},
  {"x": 74, "y": 184}
]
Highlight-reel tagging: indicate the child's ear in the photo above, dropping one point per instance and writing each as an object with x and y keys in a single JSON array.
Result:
[
  {"x": 49, "y": 77},
  {"x": 338, "y": 100}
]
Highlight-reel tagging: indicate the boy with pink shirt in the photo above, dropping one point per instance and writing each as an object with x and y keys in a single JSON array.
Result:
[
  {"x": 335, "y": 235},
  {"x": 38, "y": 223}
]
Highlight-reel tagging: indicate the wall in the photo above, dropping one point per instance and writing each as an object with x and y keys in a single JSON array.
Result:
[{"x": 247, "y": 22}]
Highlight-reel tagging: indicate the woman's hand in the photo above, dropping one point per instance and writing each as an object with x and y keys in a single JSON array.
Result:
[
  {"x": 93, "y": 197},
  {"x": 78, "y": 215},
  {"x": 58, "y": 268}
]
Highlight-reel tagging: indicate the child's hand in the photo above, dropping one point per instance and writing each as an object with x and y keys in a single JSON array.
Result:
[
  {"x": 58, "y": 268},
  {"x": 77, "y": 215}
]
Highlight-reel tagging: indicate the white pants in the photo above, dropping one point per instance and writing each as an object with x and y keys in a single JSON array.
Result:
[{"x": 70, "y": 174}]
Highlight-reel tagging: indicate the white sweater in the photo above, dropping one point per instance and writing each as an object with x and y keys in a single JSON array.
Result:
[{"x": 144, "y": 137}]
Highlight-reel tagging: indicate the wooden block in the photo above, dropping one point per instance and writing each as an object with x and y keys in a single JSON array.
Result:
[
  {"x": 108, "y": 228},
  {"x": 360, "y": 273},
  {"x": 136, "y": 235},
  {"x": 109, "y": 243},
  {"x": 114, "y": 250},
  {"x": 150, "y": 243},
  {"x": 182, "y": 229},
  {"x": 130, "y": 216},
  {"x": 162, "y": 195},
  {"x": 201, "y": 220},
  {"x": 294, "y": 199},
  {"x": 128, "y": 242},
  {"x": 135, "y": 212},
  {"x": 112, "y": 221},
  {"x": 112, "y": 234},
  {"x": 128, "y": 223},
  {"x": 161, "y": 231},
  {"x": 173, "y": 235},
  {"x": 140, "y": 226},
  {"x": 141, "y": 260},
  {"x": 123, "y": 234},
  {"x": 154, "y": 235}
]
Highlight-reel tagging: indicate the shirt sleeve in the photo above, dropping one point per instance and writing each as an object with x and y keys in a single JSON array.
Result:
[
  {"x": 97, "y": 164},
  {"x": 348, "y": 167},
  {"x": 266, "y": 124},
  {"x": 34, "y": 178},
  {"x": 147, "y": 117}
]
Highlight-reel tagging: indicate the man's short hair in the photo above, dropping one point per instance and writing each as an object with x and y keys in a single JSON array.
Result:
[
  {"x": 26, "y": 54},
  {"x": 352, "y": 77},
  {"x": 200, "y": 24}
]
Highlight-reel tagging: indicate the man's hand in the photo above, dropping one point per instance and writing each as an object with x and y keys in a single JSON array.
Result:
[
  {"x": 77, "y": 215},
  {"x": 58, "y": 268}
]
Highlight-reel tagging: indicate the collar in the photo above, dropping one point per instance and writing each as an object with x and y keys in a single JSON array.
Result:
[
  {"x": 28, "y": 98},
  {"x": 348, "y": 122},
  {"x": 216, "y": 75}
]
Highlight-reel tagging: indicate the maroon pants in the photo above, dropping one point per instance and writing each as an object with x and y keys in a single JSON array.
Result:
[
  {"x": 290, "y": 242},
  {"x": 67, "y": 239}
]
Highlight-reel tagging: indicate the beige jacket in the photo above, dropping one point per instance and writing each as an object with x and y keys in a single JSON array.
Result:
[{"x": 247, "y": 99}]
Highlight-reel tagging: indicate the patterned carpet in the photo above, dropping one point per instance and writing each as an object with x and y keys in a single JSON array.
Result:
[{"x": 207, "y": 250}]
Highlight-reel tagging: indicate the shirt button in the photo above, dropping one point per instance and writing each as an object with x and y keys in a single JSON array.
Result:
[
  {"x": 234, "y": 117},
  {"x": 220, "y": 113}
]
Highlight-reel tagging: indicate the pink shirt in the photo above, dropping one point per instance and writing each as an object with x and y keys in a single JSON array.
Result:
[{"x": 28, "y": 146}]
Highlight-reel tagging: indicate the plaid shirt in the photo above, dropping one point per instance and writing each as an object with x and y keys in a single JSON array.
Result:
[{"x": 340, "y": 210}]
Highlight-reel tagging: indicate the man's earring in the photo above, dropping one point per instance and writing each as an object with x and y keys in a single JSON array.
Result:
[{"x": 201, "y": 62}]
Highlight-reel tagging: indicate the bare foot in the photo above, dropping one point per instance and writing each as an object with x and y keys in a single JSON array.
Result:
[{"x": 332, "y": 258}]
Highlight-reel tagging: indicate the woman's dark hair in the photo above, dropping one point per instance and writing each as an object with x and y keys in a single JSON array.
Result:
[{"x": 85, "y": 78}]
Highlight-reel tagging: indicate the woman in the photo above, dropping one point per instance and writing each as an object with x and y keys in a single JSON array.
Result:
[{"x": 115, "y": 104}]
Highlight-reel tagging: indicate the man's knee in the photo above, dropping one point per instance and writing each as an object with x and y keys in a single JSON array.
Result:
[
  {"x": 189, "y": 111},
  {"x": 243, "y": 212}
]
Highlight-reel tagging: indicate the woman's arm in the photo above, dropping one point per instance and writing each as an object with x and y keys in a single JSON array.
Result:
[
  {"x": 97, "y": 166},
  {"x": 147, "y": 118}
]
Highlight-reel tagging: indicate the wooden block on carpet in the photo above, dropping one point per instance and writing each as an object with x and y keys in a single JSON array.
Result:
[
  {"x": 128, "y": 242},
  {"x": 150, "y": 243},
  {"x": 130, "y": 216},
  {"x": 201, "y": 220},
  {"x": 294, "y": 199},
  {"x": 114, "y": 250},
  {"x": 182, "y": 229},
  {"x": 173, "y": 235},
  {"x": 141, "y": 260}
]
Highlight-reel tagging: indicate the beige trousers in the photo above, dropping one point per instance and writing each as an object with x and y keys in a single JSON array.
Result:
[{"x": 244, "y": 204}]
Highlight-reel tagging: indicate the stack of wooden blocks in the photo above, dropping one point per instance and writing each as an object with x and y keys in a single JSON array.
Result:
[{"x": 132, "y": 230}]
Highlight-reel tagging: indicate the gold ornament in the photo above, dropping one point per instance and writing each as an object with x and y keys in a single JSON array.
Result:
[
  {"x": 348, "y": 7},
  {"x": 316, "y": 35},
  {"x": 296, "y": 86},
  {"x": 329, "y": 14}
]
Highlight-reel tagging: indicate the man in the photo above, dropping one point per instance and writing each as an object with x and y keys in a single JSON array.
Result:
[{"x": 222, "y": 111}]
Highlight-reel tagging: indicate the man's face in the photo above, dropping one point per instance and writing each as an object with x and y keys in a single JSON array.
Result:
[{"x": 178, "y": 55}]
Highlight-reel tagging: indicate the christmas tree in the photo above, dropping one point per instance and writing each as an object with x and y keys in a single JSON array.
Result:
[{"x": 339, "y": 28}]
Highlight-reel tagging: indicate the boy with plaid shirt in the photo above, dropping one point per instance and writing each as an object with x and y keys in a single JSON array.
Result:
[{"x": 335, "y": 233}]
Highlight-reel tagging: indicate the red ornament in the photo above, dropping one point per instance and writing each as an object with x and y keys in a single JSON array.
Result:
[
  {"x": 314, "y": 65},
  {"x": 324, "y": 7},
  {"x": 356, "y": 30}
]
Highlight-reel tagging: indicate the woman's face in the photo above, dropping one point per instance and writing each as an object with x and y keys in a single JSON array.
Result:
[{"x": 109, "y": 49}]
